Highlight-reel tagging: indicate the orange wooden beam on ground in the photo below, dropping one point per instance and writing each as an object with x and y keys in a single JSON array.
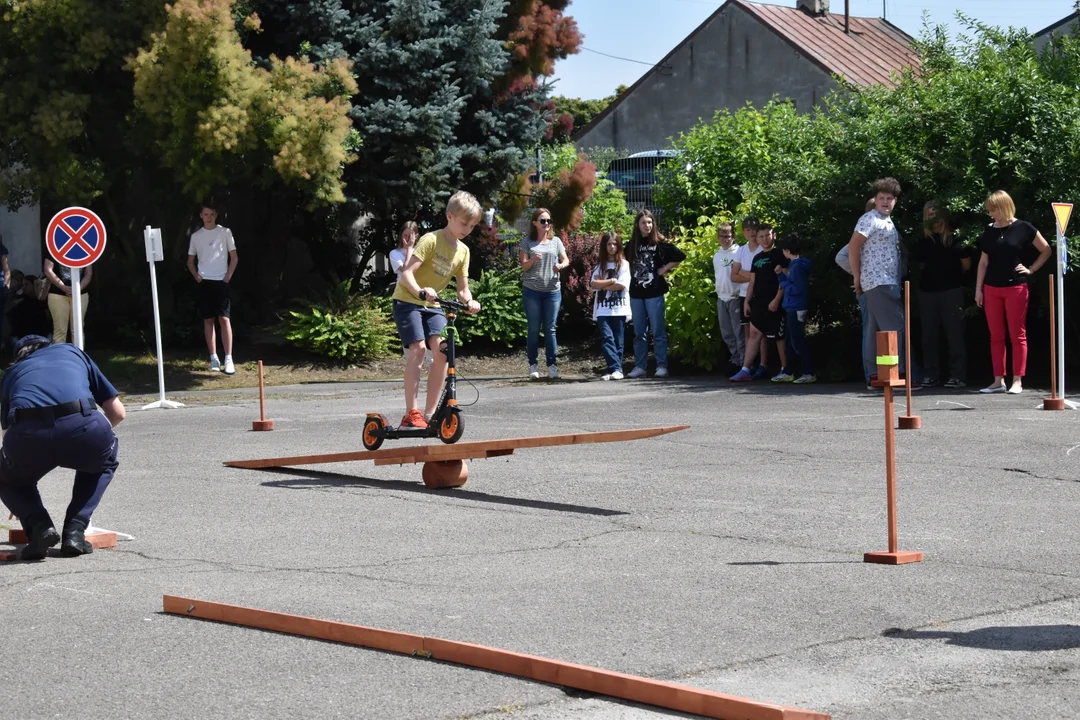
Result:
[
  {"x": 458, "y": 451},
  {"x": 672, "y": 696}
]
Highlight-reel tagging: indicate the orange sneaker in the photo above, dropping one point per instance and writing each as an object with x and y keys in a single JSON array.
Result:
[{"x": 414, "y": 419}]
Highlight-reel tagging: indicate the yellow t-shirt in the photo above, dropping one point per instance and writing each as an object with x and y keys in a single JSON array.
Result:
[{"x": 439, "y": 263}]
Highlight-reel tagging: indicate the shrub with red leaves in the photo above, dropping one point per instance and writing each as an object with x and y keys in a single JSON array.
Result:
[{"x": 583, "y": 252}]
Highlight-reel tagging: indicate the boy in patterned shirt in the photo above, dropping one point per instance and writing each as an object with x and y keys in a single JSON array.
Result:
[{"x": 875, "y": 264}]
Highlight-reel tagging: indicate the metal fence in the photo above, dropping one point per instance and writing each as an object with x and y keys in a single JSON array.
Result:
[{"x": 632, "y": 171}]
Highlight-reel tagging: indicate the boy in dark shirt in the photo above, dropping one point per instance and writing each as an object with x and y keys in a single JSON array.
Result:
[{"x": 763, "y": 298}]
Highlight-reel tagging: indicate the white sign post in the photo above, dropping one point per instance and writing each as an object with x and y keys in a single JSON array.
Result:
[
  {"x": 1062, "y": 211},
  {"x": 155, "y": 253}
]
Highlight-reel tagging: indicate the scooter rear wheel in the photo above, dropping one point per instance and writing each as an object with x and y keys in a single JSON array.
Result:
[
  {"x": 374, "y": 433},
  {"x": 451, "y": 427}
]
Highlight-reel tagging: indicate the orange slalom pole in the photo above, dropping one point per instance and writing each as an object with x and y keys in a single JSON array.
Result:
[{"x": 262, "y": 423}]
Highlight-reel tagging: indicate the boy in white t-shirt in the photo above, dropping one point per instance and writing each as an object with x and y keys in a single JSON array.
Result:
[
  {"x": 214, "y": 248},
  {"x": 741, "y": 272},
  {"x": 728, "y": 301}
]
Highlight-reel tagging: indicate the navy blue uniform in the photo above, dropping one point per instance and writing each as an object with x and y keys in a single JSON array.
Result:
[{"x": 48, "y": 404}]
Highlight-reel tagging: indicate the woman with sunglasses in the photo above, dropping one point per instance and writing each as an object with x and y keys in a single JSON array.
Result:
[{"x": 542, "y": 257}]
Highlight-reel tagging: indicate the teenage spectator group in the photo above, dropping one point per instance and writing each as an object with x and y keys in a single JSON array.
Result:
[{"x": 764, "y": 296}]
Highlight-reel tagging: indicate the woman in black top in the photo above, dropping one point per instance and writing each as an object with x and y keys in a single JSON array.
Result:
[
  {"x": 941, "y": 299},
  {"x": 1001, "y": 287},
  {"x": 651, "y": 257}
]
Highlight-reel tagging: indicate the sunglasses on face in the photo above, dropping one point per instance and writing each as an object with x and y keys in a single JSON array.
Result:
[{"x": 544, "y": 221}]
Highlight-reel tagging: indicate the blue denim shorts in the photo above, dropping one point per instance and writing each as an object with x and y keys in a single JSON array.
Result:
[{"x": 416, "y": 323}]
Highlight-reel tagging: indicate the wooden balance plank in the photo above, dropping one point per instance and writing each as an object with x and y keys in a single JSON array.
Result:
[
  {"x": 459, "y": 451},
  {"x": 682, "y": 698}
]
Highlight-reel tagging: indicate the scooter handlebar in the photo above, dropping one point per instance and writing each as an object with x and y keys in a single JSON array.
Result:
[{"x": 445, "y": 302}]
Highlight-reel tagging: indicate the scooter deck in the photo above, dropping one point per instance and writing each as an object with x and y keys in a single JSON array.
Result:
[{"x": 459, "y": 451}]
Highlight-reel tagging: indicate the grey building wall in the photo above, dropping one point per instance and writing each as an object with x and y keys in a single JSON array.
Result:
[
  {"x": 22, "y": 233},
  {"x": 1064, "y": 26},
  {"x": 732, "y": 60}
]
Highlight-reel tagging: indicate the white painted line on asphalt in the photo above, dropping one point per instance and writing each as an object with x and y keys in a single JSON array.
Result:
[
  {"x": 61, "y": 587},
  {"x": 950, "y": 402}
]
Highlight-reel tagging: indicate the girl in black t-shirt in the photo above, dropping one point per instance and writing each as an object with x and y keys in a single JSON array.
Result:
[
  {"x": 941, "y": 297},
  {"x": 651, "y": 258},
  {"x": 1001, "y": 287}
]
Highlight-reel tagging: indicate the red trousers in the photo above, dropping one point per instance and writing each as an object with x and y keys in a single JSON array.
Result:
[{"x": 1007, "y": 304}]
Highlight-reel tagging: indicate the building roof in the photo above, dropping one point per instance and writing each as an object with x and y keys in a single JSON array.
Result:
[
  {"x": 873, "y": 52},
  {"x": 870, "y": 54},
  {"x": 1059, "y": 25}
]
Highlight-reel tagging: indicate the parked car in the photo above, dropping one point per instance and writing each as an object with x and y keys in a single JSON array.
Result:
[{"x": 635, "y": 175}]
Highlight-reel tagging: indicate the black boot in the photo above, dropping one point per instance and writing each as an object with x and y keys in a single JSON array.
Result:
[
  {"x": 75, "y": 543},
  {"x": 42, "y": 537}
]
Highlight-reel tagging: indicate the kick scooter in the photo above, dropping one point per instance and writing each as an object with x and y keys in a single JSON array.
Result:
[{"x": 446, "y": 422}]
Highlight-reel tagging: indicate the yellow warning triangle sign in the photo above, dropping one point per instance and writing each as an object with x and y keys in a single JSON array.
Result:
[{"x": 1062, "y": 211}]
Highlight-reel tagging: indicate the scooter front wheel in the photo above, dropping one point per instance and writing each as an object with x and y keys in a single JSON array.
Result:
[
  {"x": 451, "y": 427},
  {"x": 374, "y": 433}
]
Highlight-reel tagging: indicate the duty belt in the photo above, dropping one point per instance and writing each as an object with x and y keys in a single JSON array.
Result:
[{"x": 53, "y": 411}]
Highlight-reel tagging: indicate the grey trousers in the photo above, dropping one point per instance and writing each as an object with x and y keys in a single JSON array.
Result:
[
  {"x": 943, "y": 311},
  {"x": 884, "y": 312},
  {"x": 731, "y": 330}
]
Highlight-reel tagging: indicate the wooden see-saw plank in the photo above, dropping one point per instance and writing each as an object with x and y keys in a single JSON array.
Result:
[
  {"x": 682, "y": 698},
  {"x": 459, "y": 451}
]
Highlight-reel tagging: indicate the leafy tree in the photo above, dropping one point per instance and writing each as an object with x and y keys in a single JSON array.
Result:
[
  {"x": 448, "y": 96},
  {"x": 64, "y": 97},
  {"x": 581, "y": 112},
  {"x": 217, "y": 119}
]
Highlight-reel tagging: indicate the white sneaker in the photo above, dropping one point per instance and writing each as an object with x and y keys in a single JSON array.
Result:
[
  {"x": 636, "y": 373},
  {"x": 617, "y": 375},
  {"x": 661, "y": 372},
  {"x": 534, "y": 372},
  {"x": 1015, "y": 390},
  {"x": 553, "y": 372},
  {"x": 230, "y": 369},
  {"x": 215, "y": 364}
]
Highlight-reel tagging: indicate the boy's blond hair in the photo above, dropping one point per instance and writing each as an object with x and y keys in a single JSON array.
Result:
[
  {"x": 464, "y": 204},
  {"x": 999, "y": 201}
]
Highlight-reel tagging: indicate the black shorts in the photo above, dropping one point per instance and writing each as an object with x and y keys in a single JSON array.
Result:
[
  {"x": 768, "y": 322},
  {"x": 214, "y": 299}
]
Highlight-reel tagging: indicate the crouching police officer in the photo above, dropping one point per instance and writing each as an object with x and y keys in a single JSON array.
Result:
[{"x": 48, "y": 411}]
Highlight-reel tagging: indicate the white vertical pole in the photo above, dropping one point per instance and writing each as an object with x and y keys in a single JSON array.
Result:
[
  {"x": 157, "y": 331},
  {"x": 1060, "y": 298},
  {"x": 76, "y": 308},
  {"x": 152, "y": 238}
]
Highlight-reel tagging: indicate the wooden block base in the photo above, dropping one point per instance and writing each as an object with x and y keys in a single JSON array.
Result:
[
  {"x": 900, "y": 557},
  {"x": 910, "y": 422},
  {"x": 1053, "y": 403},
  {"x": 262, "y": 425},
  {"x": 7, "y": 556},
  {"x": 445, "y": 474},
  {"x": 97, "y": 540}
]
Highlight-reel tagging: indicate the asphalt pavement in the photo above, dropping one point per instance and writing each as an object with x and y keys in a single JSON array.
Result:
[{"x": 727, "y": 557}]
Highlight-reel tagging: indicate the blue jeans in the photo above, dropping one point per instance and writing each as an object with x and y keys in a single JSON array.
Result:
[
  {"x": 648, "y": 314},
  {"x": 612, "y": 333},
  {"x": 797, "y": 346},
  {"x": 541, "y": 310}
]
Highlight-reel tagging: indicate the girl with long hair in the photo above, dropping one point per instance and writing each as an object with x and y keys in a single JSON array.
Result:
[
  {"x": 611, "y": 302},
  {"x": 941, "y": 296},
  {"x": 651, "y": 258}
]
